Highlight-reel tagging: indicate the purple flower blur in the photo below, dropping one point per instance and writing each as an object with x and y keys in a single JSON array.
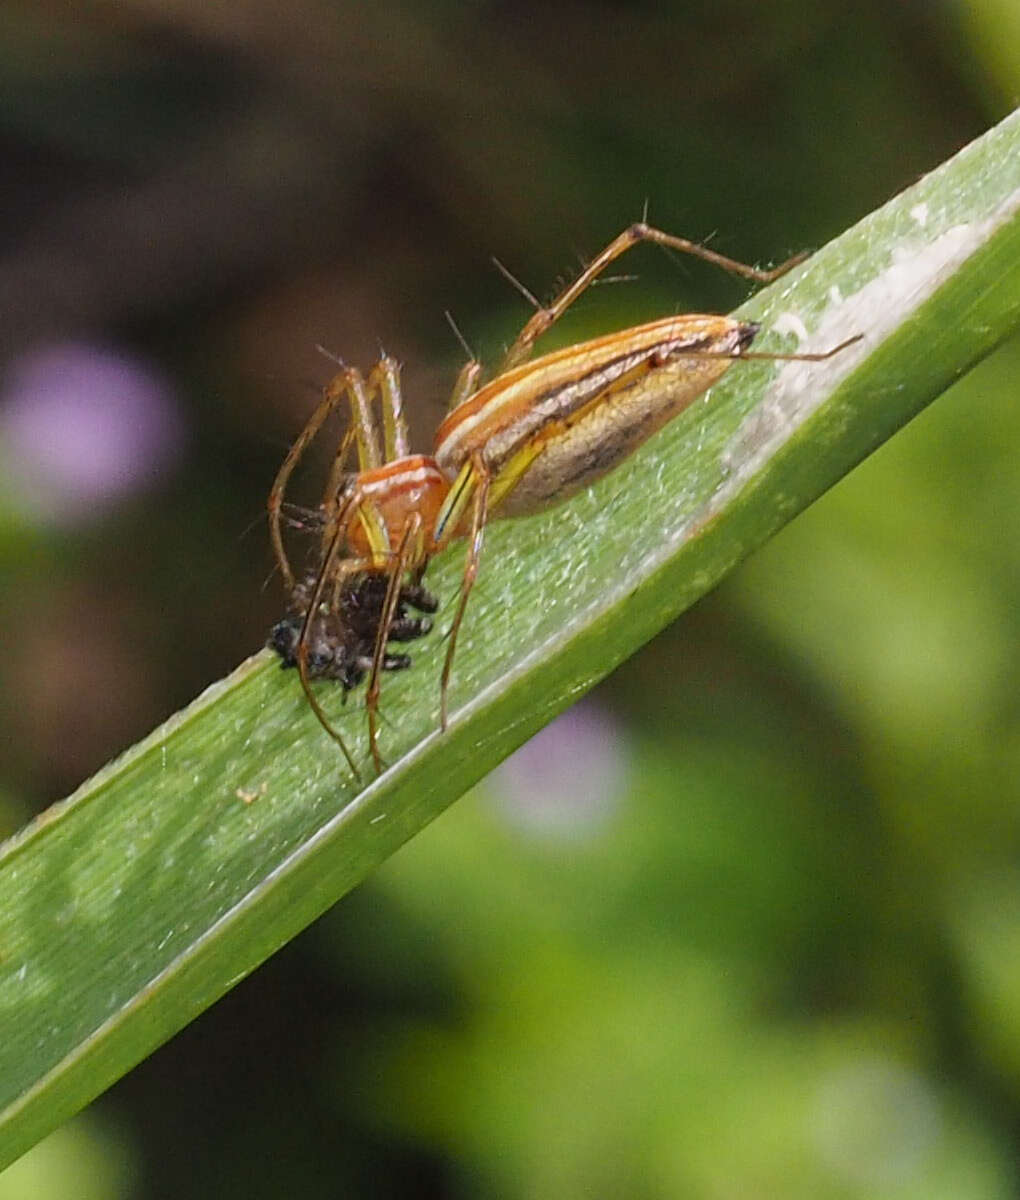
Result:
[
  {"x": 81, "y": 427},
  {"x": 568, "y": 779}
]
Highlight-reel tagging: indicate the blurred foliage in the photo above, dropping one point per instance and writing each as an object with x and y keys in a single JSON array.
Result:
[{"x": 783, "y": 962}]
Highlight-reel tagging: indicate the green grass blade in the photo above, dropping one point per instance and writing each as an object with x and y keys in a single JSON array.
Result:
[{"x": 129, "y": 908}]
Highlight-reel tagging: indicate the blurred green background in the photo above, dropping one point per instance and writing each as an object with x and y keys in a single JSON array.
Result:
[{"x": 746, "y": 922}]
